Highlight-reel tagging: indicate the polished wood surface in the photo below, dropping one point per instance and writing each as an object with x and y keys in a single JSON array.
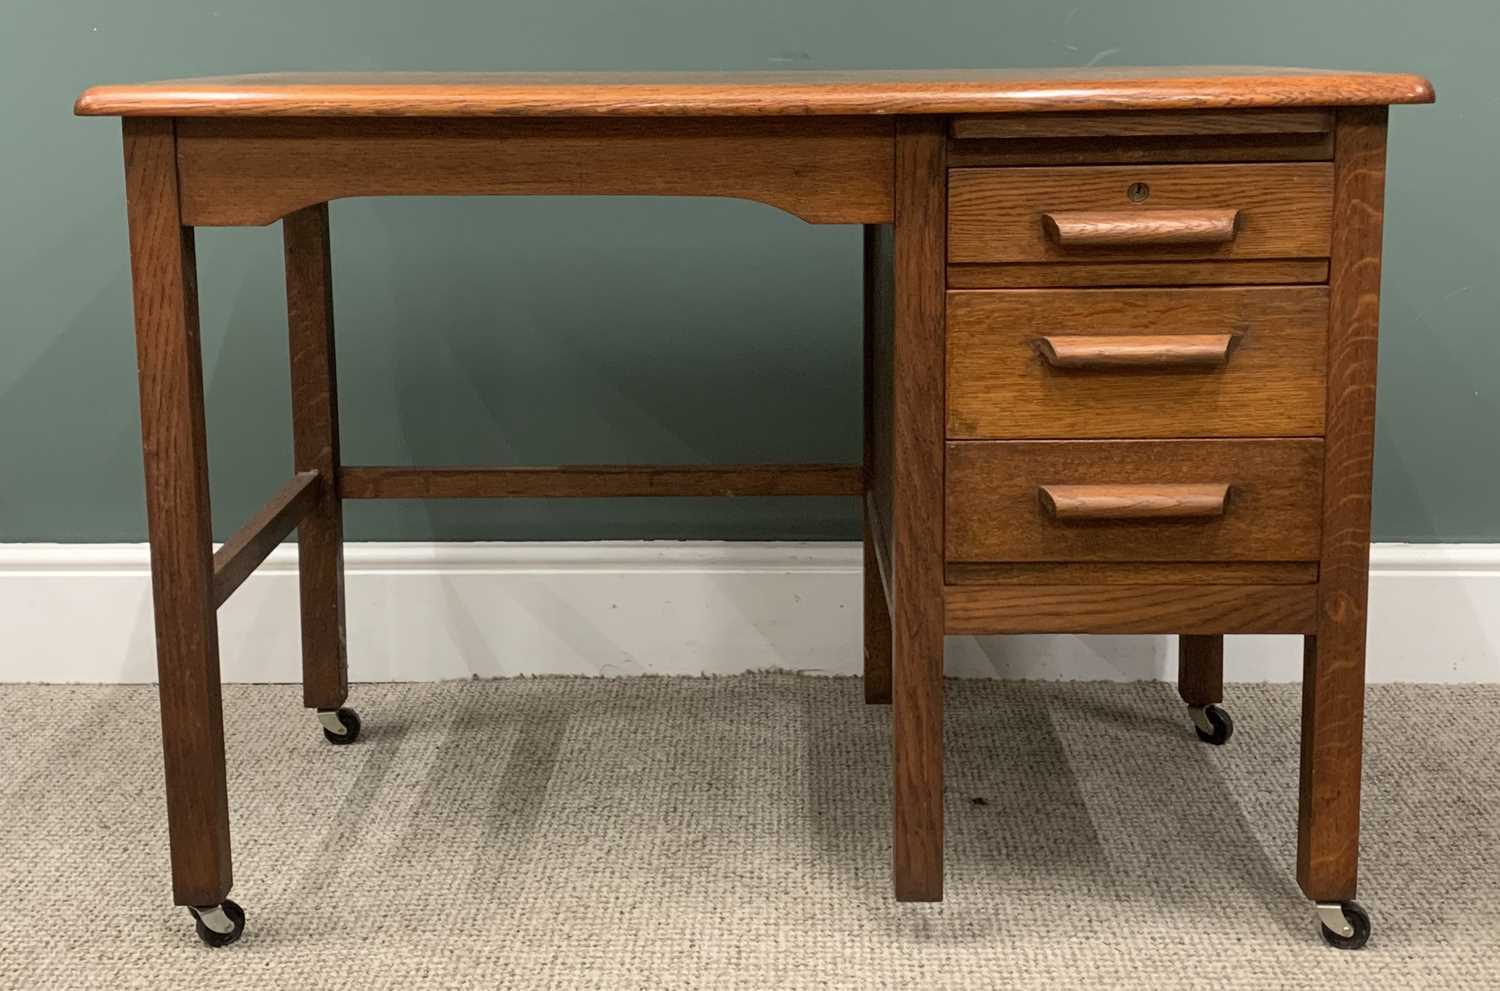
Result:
[
  {"x": 999, "y": 215},
  {"x": 881, "y": 542},
  {"x": 877, "y": 610},
  {"x": 308, "y": 259},
  {"x": 879, "y": 345},
  {"x": 1333, "y": 676},
  {"x": 1128, "y": 228},
  {"x": 1125, "y": 363},
  {"x": 1130, "y": 572},
  {"x": 250, "y": 172},
  {"x": 1148, "y": 124},
  {"x": 175, "y": 445},
  {"x": 1156, "y": 351},
  {"x": 745, "y": 94},
  {"x": 254, "y": 542},
  {"x": 917, "y": 511},
  {"x": 1119, "y": 362},
  {"x": 880, "y": 282},
  {"x": 1274, "y": 508},
  {"x": 1311, "y": 146},
  {"x": 1200, "y": 669},
  {"x": 877, "y": 605},
  {"x": 1279, "y": 271},
  {"x": 1134, "y": 502},
  {"x": 1130, "y": 609},
  {"x": 599, "y": 481}
]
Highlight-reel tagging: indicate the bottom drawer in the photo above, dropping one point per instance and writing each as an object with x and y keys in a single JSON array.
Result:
[{"x": 1134, "y": 501}]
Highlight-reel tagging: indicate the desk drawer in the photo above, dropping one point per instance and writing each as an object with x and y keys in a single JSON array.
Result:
[
  {"x": 1148, "y": 212},
  {"x": 1136, "y": 501},
  {"x": 1112, "y": 363}
]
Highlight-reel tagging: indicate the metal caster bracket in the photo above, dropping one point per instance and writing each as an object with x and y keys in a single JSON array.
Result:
[
  {"x": 214, "y": 918},
  {"x": 1331, "y": 914},
  {"x": 218, "y": 925},
  {"x": 1212, "y": 723},
  {"x": 331, "y": 722}
]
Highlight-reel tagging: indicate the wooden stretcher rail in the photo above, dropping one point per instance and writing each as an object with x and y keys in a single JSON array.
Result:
[
  {"x": 251, "y": 543},
  {"x": 600, "y": 481}
]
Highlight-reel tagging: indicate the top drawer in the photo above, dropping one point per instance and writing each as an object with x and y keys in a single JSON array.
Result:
[{"x": 1149, "y": 212}]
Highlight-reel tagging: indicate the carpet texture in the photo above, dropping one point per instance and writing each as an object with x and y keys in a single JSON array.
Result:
[{"x": 734, "y": 833}]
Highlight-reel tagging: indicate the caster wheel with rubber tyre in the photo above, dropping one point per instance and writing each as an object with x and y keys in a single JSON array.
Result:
[
  {"x": 219, "y": 925},
  {"x": 340, "y": 726},
  {"x": 1358, "y": 921},
  {"x": 1213, "y": 725}
]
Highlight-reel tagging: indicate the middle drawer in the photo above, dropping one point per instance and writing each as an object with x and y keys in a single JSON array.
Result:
[{"x": 1102, "y": 363}]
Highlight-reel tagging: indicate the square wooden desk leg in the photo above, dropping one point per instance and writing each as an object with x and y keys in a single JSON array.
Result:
[
  {"x": 315, "y": 438},
  {"x": 1333, "y": 669},
  {"x": 1333, "y": 689},
  {"x": 877, "y": 614},
  {"x": 917, "y": 507},
  {"x": 174, "y": 440},
  {"x": 1200, "y": 669},
  {"x": 877, "y": 627}
]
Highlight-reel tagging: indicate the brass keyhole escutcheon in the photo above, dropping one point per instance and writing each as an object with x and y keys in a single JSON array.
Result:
[{"x": 1138, "y": 192}]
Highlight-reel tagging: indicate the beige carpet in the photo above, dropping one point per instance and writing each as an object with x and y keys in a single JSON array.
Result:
[{"x": 733, "y": 833}]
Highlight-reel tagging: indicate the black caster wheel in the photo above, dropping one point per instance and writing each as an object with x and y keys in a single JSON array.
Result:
[
  {"x": 1213, "y": 725},
  {"x": 219, "y": 925},
  {"x": 340, "y": 726},
  {"x": 1356, "y": 919}
]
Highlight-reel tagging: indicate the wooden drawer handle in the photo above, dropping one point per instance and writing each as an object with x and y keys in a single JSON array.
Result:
[
  {"x": 1124, "y": 228},
  {"x": 1161, "y": 351},
  {"x": 1134, "y": 502}
]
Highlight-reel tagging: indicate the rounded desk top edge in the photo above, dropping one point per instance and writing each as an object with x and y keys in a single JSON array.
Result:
[{"x": 750, "y": 94}]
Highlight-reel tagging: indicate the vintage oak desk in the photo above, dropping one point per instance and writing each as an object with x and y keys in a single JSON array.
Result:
[{"x": 1120, "y": 368}]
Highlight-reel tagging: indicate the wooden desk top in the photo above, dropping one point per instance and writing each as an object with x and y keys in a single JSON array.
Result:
[{"x": 696, "y": 94}]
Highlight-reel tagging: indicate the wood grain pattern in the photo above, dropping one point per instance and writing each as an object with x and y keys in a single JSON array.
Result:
[
  {"x": 1274, "y": 509},
  {"x": 249, "y": 546},
  {"x": 1129, "y": 609},
  {"x": 881, "y": 281},
  {"x": 882, "y": 545},
  {"x": 1156, "y": 351},
  {"x": 308, "y": 258},
  {"x": 1147, "y": 124},
  {"x": 1130, "y": 572},
  {"x": 250, "y": 172},
  {"x": 1033, "y": 527},
  {"x": 1002, "y": 384},
  {"x": 1333, "y": 681},
  {"x": 599, "y": 481},
  {"x": 997, "y": 215},
  {"x": 660, "y": 94},
  {"x": 877, "y": 611},
  {"x": 877, "y": 614},
  {"x": 1280, "y": 271},
  {"x": 982, "y": 152},
  {"x": 1134, "y": 502},
  {"x": 1139, "y": 228},
  {"x": 917, "y": 516},
  {"x": 174, "y": 439},
  {"x": 1200, "y": 669}
]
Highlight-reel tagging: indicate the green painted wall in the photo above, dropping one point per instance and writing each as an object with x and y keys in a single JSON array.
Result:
[{"x": 513, "y": 330}]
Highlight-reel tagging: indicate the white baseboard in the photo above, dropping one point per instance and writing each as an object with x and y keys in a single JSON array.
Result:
[{"x": 423, "y": 612}]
